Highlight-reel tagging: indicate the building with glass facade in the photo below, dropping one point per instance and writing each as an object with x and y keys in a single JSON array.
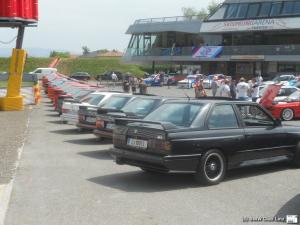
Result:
[{"x": 243, "y": 38}]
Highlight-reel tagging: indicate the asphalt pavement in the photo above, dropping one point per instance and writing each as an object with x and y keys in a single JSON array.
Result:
[{"x": 69, "y": 178}]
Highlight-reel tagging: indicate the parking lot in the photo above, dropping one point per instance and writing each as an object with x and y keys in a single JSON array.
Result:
[{"x": 67, "y": 177}]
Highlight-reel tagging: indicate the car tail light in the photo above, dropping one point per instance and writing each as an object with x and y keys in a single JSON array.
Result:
[
  {"x": 100, "y": 124},
  {"x": 160, "y": 144}
]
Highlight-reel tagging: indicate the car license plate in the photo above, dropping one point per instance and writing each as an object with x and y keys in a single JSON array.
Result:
[
  {"x": 90, "y": 119},
  {"x": 110, "y": 126},
  {"x": 137, "y": 143}
]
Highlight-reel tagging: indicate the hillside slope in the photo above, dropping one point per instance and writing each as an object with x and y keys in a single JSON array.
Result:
[{"x": 94, "y": 66}]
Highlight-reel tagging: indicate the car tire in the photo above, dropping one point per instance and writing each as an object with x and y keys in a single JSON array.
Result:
[
  {"x": 212, "y": 168},
  {"x": 287, "y": 114}
]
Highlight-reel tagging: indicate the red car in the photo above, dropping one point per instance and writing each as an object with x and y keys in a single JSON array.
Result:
[{"x": 287, "y": 110}]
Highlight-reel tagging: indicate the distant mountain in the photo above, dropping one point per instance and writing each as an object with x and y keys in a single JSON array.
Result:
[{"x": 32, "y": 52}]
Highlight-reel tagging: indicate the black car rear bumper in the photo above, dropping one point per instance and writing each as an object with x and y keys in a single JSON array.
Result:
[
  {"x": 164, "y": 163},
  {"x": 86, "y": 126},
  {"x": 102, "y": 133}
]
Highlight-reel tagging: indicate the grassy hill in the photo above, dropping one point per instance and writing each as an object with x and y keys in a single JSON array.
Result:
[
  {"x": 93, "y": 66},
  {"x": 96, "y": 66},
  {"x": 31, "y": 63}
]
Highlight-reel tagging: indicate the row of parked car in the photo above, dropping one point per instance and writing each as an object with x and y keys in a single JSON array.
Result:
[{"x": 205, "y": 136}]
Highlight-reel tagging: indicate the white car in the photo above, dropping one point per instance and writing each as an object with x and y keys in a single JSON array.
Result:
[
  {"x": 281, "y": 79},
  {"x": 283, "y": 93},
  {"x": 40, "y": 72},
  {"x": 70, "y": 109},
  {"x": 189, "y": 81}
]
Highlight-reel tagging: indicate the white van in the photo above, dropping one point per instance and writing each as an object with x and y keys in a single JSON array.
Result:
[{"x": 40, "y": 72}]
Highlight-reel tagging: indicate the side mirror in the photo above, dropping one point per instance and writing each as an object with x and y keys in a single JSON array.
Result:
[{"x": 278, "y": 123}]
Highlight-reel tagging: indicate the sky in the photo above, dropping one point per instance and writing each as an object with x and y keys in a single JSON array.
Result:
[{"x": 99, "y": 24}]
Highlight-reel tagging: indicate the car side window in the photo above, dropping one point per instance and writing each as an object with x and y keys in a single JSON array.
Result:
[
  {"x": 222, "y": 116},
  {"x": 253, "y": 116}
]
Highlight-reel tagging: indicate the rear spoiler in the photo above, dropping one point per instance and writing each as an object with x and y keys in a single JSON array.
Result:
[
  {"x": 105, "y": 111},
  {"x": 87, "y": 107},
  {"x": 125, "y": 122},
  {"x": 71, "y": 100}
]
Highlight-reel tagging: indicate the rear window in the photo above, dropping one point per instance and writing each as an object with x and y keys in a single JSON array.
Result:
[
  {"x": 141, "y": 107},
  {"x": 115, "y": 102},
  {"x": 179, "y": 114},
  {"x": 96, "y": 99}
]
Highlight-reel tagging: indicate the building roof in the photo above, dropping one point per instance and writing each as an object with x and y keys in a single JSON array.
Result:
[{"x": 165, "y": 24}]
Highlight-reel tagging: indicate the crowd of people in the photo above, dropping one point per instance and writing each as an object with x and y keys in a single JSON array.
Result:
[{"x": 242, "y": 90}]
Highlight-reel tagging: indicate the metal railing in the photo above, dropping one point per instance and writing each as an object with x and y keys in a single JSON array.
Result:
[
  {"x": 168, "y": 19},
  {"x": 227, "y": 50}
]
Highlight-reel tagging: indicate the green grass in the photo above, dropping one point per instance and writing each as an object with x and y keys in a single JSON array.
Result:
[
  {"x": 93, "y": 66},
  {"x": 31, "y": 63},
  {"x": 3, "y": 84}
]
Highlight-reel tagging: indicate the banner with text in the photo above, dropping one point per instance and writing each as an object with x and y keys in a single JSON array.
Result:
[{"x": 209, "y": 52}]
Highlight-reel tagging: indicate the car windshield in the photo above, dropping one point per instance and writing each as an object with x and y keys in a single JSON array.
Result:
[
  {"x": 295, "y": 95},
  {"x": 179, "y": 114},
  {"x": 115, "y": 102},
  {"x": 140, "y": 106},
  {"x": 96, "y": 99}
]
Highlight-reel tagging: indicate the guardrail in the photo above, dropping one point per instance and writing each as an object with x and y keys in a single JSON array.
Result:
[
  {"x": 168, "y": 19},
  {"x": 227, "y": 50}
]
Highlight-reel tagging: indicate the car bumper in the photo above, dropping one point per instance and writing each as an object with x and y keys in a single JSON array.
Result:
[
  {"x": 70, "y": 118},
  {"x": 187, "y": 163},
  {"x": 102, "y": 133},
  {"x": 86, "y": 126}
]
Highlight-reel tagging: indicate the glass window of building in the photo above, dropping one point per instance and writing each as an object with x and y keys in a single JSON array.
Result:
[
  {"x": 276, "y": 8},
  {"x": 287, "y": 8},
  {"x": 219, "y": 14},
  {"x": 253, "y": 10},
  {"x": 265, "y": 9},
  {"x": 296, "y": 8},
  {"x": 231, "y": 11},
  {"x": 242, "y": 10}
]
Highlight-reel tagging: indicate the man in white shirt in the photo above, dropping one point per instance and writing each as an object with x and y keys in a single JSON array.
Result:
[
  {"x": 114, "y": 78},
  {"x": 225, "y": 89},
  {"x": 242, "y": 90}
]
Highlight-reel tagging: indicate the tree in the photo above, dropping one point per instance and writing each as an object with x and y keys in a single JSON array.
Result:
[
  {"x": 202, "y": 13},
  {"x": 85, "y": 50},
  {"x": 213, "y": 7},
  {"x": 60, "y": 54}
]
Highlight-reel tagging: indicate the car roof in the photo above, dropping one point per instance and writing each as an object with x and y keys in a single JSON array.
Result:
[{"x": 210, "y": 101}]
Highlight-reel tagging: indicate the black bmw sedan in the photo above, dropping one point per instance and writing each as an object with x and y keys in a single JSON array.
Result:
[{"x": 205, "y": 137}]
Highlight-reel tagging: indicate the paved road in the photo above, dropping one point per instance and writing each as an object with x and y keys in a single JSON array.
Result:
[{"x": 69, "y": 178}]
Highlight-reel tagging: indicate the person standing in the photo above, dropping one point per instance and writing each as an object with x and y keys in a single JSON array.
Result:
[
  {"x": 254, "y": 90},
  {"x": 133, "y": 85},
  {"x": 233, "y": 89},
  {"x": 214, "y": 86},
  {"x": 225, "y": 89},
  {"x": 196, "y": 87},
  {"x": 114, "y": 78},
  {"x": 259, "y": 80},
  {"x": 242, "y": 90}
]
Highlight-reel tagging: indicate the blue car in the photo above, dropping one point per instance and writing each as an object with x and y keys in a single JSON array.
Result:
[{"x": 153, "y": 80}]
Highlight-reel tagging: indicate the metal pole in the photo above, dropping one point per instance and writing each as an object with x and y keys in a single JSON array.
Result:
[{"x": 20, "y": 38}]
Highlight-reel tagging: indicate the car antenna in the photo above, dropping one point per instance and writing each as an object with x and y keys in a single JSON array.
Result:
[{"x": 189, "y": 98}]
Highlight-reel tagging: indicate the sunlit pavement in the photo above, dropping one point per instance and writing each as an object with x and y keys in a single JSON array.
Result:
[{"x": 66, "y": 177}]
